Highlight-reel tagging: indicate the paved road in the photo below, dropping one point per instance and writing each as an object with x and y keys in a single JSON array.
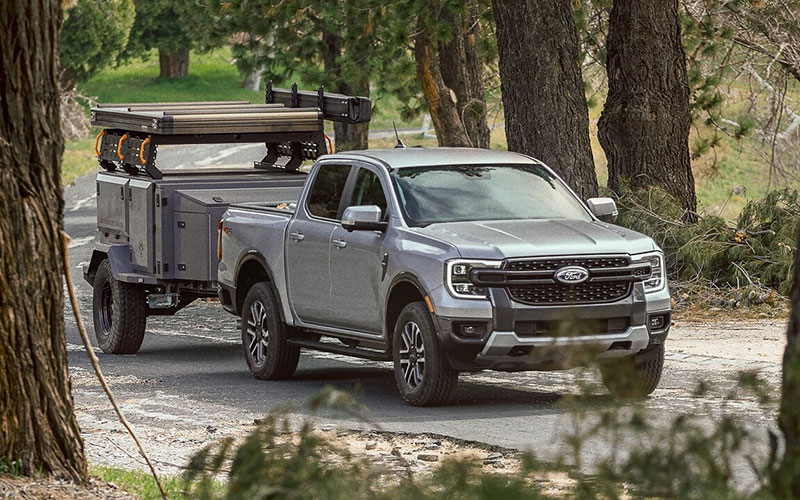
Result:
[{"x": 189, "y": 382}]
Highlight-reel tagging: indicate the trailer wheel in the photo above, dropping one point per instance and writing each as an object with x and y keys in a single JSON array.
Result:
[
  {"x": 120, "y": 313},
  {"x": 628, "y": 378},
  {"x": 421, "y": 370},
  {"x": 264, "y": 335}
]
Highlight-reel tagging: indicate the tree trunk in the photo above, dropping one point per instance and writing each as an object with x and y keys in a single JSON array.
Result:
[
  {"x": 462, "y": 71},
  {"x": 352, "y": 136},
  {"x": 348, "y": 137},
  {"x": 173, "y": 63},
  {"x": 786, "y": 478},
  {"x": 252, "y": 80},
  {"x": 37, "y": 421},
  {"x": 543, "y": 94},
  {"x": 644, "y": 127},
  {"x": 440, "y": 98}
]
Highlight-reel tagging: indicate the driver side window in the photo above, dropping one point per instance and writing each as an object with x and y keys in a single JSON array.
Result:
[{"x": 368, "y": 191}]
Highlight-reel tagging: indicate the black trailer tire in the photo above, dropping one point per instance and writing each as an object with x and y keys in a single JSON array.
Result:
[
  {"x": 426, "y": 379},
  {"x": 269, "y": 356},
  {"x": 629, "y": 378},
  {"x": 120, "y": 313}
]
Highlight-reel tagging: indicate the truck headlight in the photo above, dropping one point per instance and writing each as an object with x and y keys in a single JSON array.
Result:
[
  {"x": 457, "y": 277},
  {"x": 658, "y": 272}
]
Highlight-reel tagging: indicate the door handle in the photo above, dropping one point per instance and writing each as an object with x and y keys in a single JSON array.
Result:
[
  {"x": 297, "y": 236},
  {"x": 339, "y": 243}
]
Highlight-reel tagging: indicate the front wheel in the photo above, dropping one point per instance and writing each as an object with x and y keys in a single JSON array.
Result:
[
  {"x": 269, "y": 356},
  {"x": 632, "y": 378},
  {"x": 120, "y": 313},
  {"x": 423, "y": 375}
]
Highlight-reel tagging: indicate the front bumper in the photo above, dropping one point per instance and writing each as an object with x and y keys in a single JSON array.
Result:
[{"x": 504, "y": 340}]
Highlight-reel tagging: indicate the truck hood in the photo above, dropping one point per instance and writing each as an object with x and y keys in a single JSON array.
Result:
[{"x": 534, "y": 238}]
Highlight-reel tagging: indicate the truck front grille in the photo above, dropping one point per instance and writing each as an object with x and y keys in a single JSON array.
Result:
[
  {"x": 555, "y": 264},
  {"x": 585, "y": 293},
  {"x": 615, "y": 284}
]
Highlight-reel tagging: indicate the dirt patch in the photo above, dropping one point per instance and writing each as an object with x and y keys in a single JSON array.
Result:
[
  {"x": 23, "y": 488},
  {"x": 419, "y": 454}
]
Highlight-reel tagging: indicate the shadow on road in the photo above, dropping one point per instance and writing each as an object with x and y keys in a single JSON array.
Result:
[{"x": 217, "y": 373}]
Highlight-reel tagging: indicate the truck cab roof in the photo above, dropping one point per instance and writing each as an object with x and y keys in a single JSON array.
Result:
[{"x": 416, "y": 157}]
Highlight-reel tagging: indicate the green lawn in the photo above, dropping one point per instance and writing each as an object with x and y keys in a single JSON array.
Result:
[
  {"x": 78, "y": 160},
  {"x": 212, "y": 77},
  {"x": 140, "y": 484}
]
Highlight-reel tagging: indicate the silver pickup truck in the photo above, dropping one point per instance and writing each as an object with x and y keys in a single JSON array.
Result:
[{"x": 442, "y": 261}]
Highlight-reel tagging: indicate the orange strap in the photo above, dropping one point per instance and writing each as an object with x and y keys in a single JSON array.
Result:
[
  {"x": 119, "y": 146},
  {"x": 97, "y": 142},
  {"x": 141, "y": 149},
  {"x": 330, "y": 144}
]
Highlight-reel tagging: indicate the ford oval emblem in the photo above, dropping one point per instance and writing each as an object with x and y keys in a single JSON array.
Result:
[{"x": 572, "y": 275}]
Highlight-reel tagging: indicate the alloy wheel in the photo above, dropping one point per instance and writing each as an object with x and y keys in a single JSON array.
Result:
[
  {"x": 257, "y": 332},
  {"x": 412, "y": 355}
]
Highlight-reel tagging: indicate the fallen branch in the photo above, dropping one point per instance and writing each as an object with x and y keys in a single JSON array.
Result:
[{"x": 96, "y": 363}]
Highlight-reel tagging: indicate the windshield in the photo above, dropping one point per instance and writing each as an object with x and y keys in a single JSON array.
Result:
[{"x": 481, "y": 192}]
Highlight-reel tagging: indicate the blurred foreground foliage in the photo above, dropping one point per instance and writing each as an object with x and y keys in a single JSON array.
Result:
[
  {"x": 752, "y": 260},
  {"x": 688, "y": 456}
]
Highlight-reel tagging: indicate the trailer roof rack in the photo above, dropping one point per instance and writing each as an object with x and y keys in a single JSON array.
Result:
[{"x": 289, "y": 124}]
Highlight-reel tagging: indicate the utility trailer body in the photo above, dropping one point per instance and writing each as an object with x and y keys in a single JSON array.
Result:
[{"x": 162, "y": 233}]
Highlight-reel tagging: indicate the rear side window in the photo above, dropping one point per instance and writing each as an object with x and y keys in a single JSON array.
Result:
[{"x": 326, "y": 193}]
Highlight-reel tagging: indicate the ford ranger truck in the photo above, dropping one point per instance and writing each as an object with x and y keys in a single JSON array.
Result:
[{"x": 442, "y": 261}]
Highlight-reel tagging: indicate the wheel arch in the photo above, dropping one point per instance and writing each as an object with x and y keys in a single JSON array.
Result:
[
  {"x": 405, "y": 289},
  {"x": 252, "y": 269}
]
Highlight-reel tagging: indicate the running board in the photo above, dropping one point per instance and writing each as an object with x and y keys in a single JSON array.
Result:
[{"x": 341, "y": 349}]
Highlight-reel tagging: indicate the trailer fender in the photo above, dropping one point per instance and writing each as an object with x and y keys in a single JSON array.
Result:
[
  {"x": 90, "y": 270},
  {"x": 119, "y": 256}
]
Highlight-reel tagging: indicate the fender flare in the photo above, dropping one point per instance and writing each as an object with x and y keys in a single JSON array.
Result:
[
  {"x": 398, "y": 279},
  {"x": 119, "y": 258},
  {"x": 250, "y": 256}
]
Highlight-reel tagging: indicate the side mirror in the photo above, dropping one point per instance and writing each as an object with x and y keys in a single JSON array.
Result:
[
  {"x": 604, "y": 209},
  {"x": 363, "y": 218}
]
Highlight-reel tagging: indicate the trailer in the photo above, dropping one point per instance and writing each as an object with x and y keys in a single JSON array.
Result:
[{"x": 156, "y": 245}]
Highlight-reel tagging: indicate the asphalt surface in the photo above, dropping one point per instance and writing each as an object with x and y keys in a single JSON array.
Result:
[{"x": 190, "y": 372}]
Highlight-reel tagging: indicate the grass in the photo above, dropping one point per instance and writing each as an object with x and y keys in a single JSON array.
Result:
[
  {"x": 78, "y": 160},
  {"x": 10, "y": 467},
  {"x": 139, "y": 483},
  {"x": 212, "y": 77}
]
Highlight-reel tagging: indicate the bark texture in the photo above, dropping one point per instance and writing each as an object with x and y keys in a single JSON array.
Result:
[
  {"x": 440, "y": 98},
  {"x": 37, "y": 422},
  {"x": 543, "y": 94},
  {"x": 644, "y": 128},
  {"x": 348, "y": 137},
  {"x": 173, "y": 63},
  {"x": 786, "y": 478},
  {"x": 462, "y": 71}
]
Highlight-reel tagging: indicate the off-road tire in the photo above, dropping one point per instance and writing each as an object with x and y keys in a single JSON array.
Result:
[
  {"x": 277, "y": 359},
  {"x": 120, "y": 313},
  {"x": 438, "y": 380},
  {"x": 628, "y": 378}
]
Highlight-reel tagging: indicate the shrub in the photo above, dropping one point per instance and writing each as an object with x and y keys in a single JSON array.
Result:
[{"x": 757, "y": 252}]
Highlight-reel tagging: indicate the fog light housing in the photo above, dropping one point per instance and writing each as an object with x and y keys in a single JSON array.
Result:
[
  {"x": 658, "y": 322},
  {"x": 469, "y": 330}
]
